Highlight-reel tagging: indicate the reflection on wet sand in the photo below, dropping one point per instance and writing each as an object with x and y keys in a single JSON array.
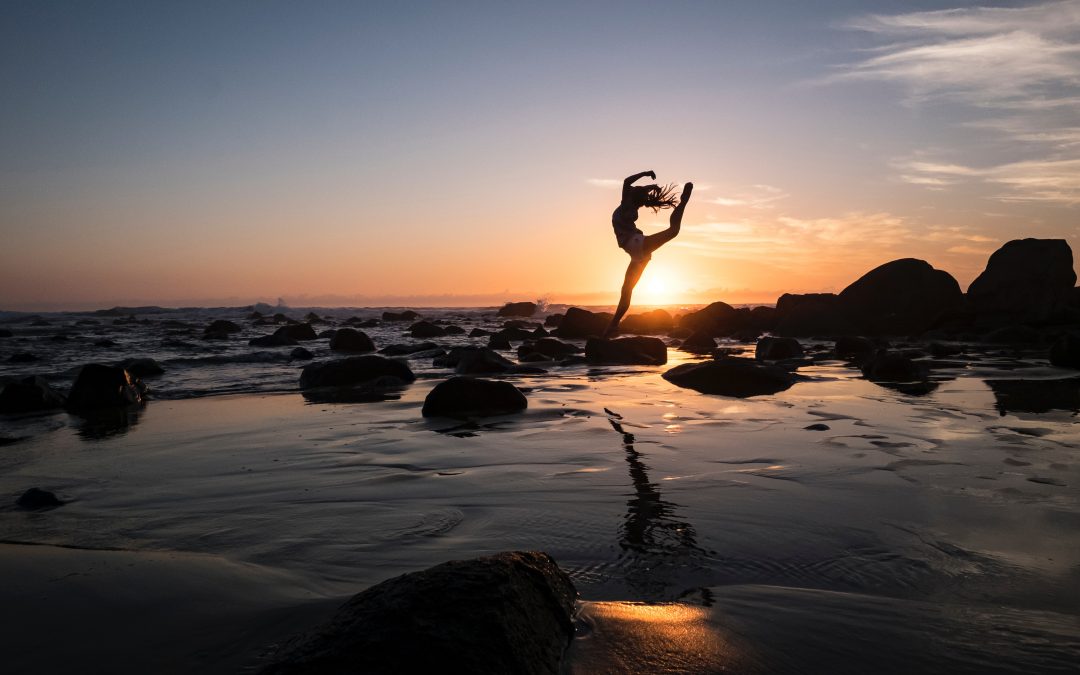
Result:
[
  {"x": 1036, "y": 396},
  {"x": 652, "y": 537},
  {"x": 102, "y": 424}
]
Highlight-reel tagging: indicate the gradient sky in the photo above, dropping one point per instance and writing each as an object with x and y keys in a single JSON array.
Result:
[{"x": 470, "y": 153}]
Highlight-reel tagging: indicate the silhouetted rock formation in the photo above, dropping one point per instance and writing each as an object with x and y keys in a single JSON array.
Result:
[
  {"x": 301, "y": 354},
  {"x": 403, "y": 349},
  {"x": 36, "y": 498},
  {"x": 100, "y": 387},
  {"x": 29, "y": 394},
  {"x": 407, "y": 315},
  {"x": 854, "y": 347},
  {"x": 518, "y": 309},
  {"x": 297, "y": 331},
  {"x": 810, "y": 314},
  {"x": 426, "y": 329},
  {"x": 351, "y": 340},
  {"x": 886, "y": 366},
  {"x": 5, "y": 333},
  {"x": 648, "y": 351},
  {"x": 581, "y": 323},
  {"x": 1036, "y": 396},
  {"x": 647, "y": 323},
  {"x": 465, "y": 397},
  {"x": 713, "y": 320},
  {"x": 778, "y": 348},
  {"x": 699, "y": 342},
  {"x": 902, "y": 297},
  {"x": 507, "y": 613},
  {"x": 481, "y": 361},
  {"x": 1025, "y": 280},
  {"x": 549, "y": 348},
  {"x": 221, "y": 326},
  {"x": 731, "y": 377},
  {"x": 553, "y": 320},
  {"x": 1066, "y": 351},
  {"x": 357, "y": 370}
]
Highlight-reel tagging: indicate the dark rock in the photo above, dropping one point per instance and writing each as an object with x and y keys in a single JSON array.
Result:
[
  {"x": 581, "y": 323},
  {"x": 104, "y": 342},
  {"x": 327, "y": 334},
  {"x": 902, "y": 297},
  {"x": 777, "y": 349},
  {"x": 940, "y": 350},
  {"x": 631, "y": 350},
  {"x": 355, "y": 370},
  {"x": 1066, "y": 351},
  {"x": 479, "y": 332},
  {"x": 1025, "y": 280},
  {"x": 553, "y": 320},
  {"x": 367, "y": 323},
  {"x": 301, "y": 354},
  {"x": 817, "y": 427},
  {"x": 525, "y": 355},
  {"x": 451, "y": 329},
  {"x": 297, "y": 331},
  {"x": 886, "y": 366},
  {"x": 5, "y": 333},
  {"x": 280, "y": 317},
  {"x": 426, "y": 329},
  {"x": 1036, "y": 396},
  {"x": 254, "y": 316},
  {"x": 351, "y": 340},
  {"x": 809, "y": 314},
  {"x": 481, "y": 361},
  {"x": 222, "y": 326},
  {"x": 526, "y": 326},
  {"x": 699, "y": 342},
  {"x": 142, "y": 367},
  {"x": 714, "y": 320},
  {"x": 647, "y": 323},
  {"x": 763, "y": 318},
  {"x": 507, "y": 613},
  {"x": 549, "y": 348},
  {"x": 473, "y": 397},
  {"x": 499, "y": 342},
  {"x": 101, "y": 387},
  {"x": 60, "y": 337},
  {"x": 29, "y": 394},
  {"x": 854, "y": 347},
  {"x": 276, "y": 340},
  {"x": 403, "y": 349},
  {"x": 518, "y": 309},
  {"x": 407, "y": 315},
  {"x": 731, "y": 377},
  {"x": 312, "y": 317},
  {"x": 23, "y": 357},
  {"x": 682, "y": 333},
  {"x": 746, "y": 335},
  {"x": 40, "y": 322},
  {"x": 36, "y": 498},
  {"x": 540, "y": 332}
]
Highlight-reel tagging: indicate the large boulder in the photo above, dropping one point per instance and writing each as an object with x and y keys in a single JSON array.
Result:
[
  {"x": 351, "y": 340},
  {"x": 731, "y": 377},
  {"x": 647, "y": 323},
  {"x": 518, "y": 309},
  {"x": 222, "y": 326},
  {"x": 902, "y": 297},
  {"x": 507, "y": 613},
  {"x": 356, "y": 370},
  {"x": 28, "y": 395},
  {"x": 465, "y": 397},
  {"x": 647, "y": 351},
  {"x": 778, "y": 348},
  {"x": 810, "y": 314},
  {"x": 1025, "y": 280},
  {"x": 482, "y": 361},
  {"x": 886, "y": 366},
  {"x": 581, "y": 323},
  {"x": 854, "y": 347},
  {"x": 699, "y": 342},
  {"x": 714, "y": 320},
  {"x": 100, "y": 387},
  {"x": 297, "y": 331}
]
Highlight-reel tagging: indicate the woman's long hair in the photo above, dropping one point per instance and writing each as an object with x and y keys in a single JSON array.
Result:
[{"x": 655, "y": 197}]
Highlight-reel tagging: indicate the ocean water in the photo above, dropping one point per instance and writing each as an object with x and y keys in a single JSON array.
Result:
[{"x": 944, "y": 525}]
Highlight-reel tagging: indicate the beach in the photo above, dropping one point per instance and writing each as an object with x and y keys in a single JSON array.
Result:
[{"x": 784, "y": 522}]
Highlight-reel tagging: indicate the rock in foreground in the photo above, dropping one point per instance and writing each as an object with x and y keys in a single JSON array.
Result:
[
  {"x": 100, "y": 387},
  {"x": 507, "y": 613},
  {"x": 473, "y": 397},
  {"x": 28, "y": 395},
  {"x": 1024, "y": 280},
  {"x": 581, "y": 323},
  {"x": 731, "y": 377}
]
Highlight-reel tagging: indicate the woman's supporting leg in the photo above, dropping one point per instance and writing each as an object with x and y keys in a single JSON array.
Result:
[
  {"x": 655, "y": 241},
  {"x": 633, "y": 275}
]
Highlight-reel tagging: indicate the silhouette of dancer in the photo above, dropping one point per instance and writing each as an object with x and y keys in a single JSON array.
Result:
[{"x": 633, "y": 241}]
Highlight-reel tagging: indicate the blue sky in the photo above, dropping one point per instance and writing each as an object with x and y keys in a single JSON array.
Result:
[{"x": 358, "y": 153}]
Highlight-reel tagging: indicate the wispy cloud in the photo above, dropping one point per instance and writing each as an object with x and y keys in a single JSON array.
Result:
[
  {"x": 1019, "y": 67},
  {"x": 758, "y": 196},
  {"x": 611, "y": 183}
]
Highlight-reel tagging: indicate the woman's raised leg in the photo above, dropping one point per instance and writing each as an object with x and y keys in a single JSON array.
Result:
[{"x": 655, "y": 241}]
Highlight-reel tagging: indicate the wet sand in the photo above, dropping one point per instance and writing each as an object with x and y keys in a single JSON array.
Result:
[{"x": 908, "y": 518}]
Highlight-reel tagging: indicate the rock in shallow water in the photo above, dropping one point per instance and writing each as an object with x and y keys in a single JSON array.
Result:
[
  {"x": 28, "y": 395},
  {"x": 36, "y": 498},
  {"x": 100, "y": 387},
  {"x": 731, "y": 377},
  {"x": 351, "y": 340},
  {"x": 647, "y": 351},
  {"x": 464, "y": 397},
  {"x": 354, "y": 371},
  {"x": 507, "y": 613},
  {"x": 778, "y": 348},
  {"x": 1066, "y": 351}
]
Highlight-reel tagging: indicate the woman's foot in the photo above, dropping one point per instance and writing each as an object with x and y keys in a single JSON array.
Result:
[{"x": 687, "y": 189}]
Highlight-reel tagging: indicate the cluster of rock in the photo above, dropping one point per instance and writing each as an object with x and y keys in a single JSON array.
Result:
[{"x": 97, "y": 388}]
